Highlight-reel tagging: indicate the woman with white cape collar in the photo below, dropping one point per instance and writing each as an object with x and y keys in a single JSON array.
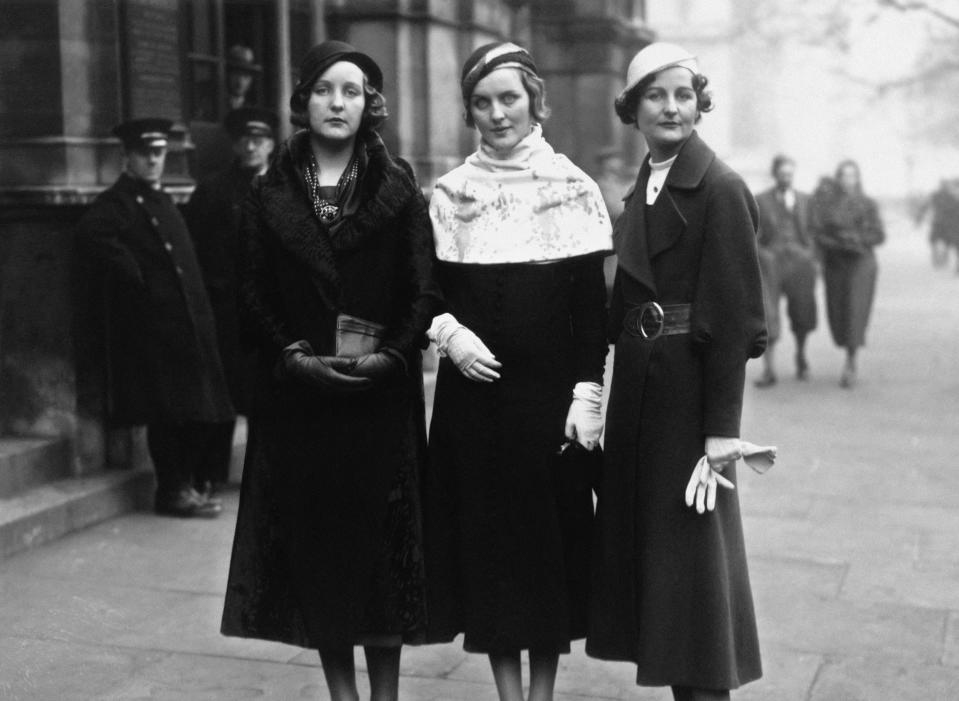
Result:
[{"x": 521, "y": 234}]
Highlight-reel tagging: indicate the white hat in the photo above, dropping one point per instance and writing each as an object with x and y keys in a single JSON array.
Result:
[{"x": 655, "y": 58}]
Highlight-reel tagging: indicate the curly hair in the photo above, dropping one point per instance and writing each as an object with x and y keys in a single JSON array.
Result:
[
  {"x": 374, "y": 108},
  {"x": 625, "y": 105},
  {"x": 535, "y": 89}
]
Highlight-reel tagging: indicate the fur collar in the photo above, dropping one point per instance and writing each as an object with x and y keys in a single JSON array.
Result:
[{"x": 385, "y": 189}]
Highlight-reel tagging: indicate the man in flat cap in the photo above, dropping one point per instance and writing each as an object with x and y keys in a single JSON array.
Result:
[
  {"x": 163, "y": 366},
  {"x": 213, "y": 216}
]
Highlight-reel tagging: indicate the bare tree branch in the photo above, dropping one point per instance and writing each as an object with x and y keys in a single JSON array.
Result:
[{"x": 918, "y": 6}]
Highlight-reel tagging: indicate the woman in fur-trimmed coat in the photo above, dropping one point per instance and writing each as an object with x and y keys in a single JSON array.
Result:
[{"x": 328, "y": 550}]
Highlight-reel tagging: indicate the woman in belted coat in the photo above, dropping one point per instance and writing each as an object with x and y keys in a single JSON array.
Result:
[
  {"x": 338, "y": 255},
  {"x": 670, "y": 588},
  {"x": 847, "y": 227}
]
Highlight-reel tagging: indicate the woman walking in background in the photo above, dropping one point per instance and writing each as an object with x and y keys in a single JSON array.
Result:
[
  {"x": 337, "y": 287},
  {"x": 846, "y": 227},
  {"x": 670, "y": 586},
  {"x": 520, "y": 235}
]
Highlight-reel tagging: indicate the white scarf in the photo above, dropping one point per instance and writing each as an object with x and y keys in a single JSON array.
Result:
[{"x": 532, "y": 206}]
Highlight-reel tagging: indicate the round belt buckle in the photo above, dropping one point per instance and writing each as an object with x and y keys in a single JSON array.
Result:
[{"x": 651, "y": 320}]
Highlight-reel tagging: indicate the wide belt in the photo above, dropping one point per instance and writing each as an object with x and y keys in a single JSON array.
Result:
[{"x": 652, "y": 320}]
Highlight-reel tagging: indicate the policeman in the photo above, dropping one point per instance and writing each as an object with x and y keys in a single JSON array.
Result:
[
  {"x": 163, "y": 366},
  {"x": 213, "y": 216}
]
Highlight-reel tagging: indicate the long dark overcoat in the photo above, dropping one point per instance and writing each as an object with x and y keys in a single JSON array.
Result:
[
  {"x": 163, "y": 363},
  {"x": 670, "y": 587},
  {"x": 502, "y": 567},
  {"x": 328, "y": 544},
  {"x": 213, "y": 215},
  {"x": 847, "y": 227}
]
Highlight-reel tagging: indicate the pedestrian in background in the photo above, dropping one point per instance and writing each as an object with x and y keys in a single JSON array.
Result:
[
  {"x": 846, "y": 227},
  {"x": 337, "y": 285},
  {"x": 213, "y": 215},
  {"x": 787, "y": 258},
  {"x": 163, "y": 366},
  {"x": 944, "y": 228},
  {"x": 670, "y": 586},
  {"x": 520, "y": 234}
]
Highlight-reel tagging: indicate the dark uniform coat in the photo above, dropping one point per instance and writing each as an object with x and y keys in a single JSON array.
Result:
[
  {"x": 670, "y": 587},
  {"x": 503, "y": 568},
  {"x": 213, "y": 215},
  {"x": 163, "y": 360},
  {"x": 328, "y": 543}
]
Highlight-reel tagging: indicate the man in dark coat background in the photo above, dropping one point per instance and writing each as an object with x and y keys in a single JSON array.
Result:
[
  {"x": 787, "y": 259},
  {"x": 163, "y": 366},
  {"x": 213, "y": 216}
]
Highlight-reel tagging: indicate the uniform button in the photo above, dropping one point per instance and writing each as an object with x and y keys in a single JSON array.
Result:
[
  {"x": 154, "y": 221},
  {"x": 139, "y": 199},
  {"x": 179, "y": 270},
  {"x": 168, "y": 246}
]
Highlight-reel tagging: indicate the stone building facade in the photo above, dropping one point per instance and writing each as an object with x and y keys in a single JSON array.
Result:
[{"x": 75, "y": 68}]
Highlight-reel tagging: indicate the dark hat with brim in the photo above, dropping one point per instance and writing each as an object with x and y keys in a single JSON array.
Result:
[
  {"x": 240, "y": 58},
  {"x": 143, "y": 133},
  {"x": 251, "y": 121},
  {"x": 324, "y": 55},
  {"x": 489, "y": 57}
]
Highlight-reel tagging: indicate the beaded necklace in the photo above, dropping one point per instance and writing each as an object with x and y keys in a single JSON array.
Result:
[{"x": 327, "y": 210}]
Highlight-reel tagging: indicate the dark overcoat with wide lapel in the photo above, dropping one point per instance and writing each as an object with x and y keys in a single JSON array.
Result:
[
  {"x": 213, "y": 216},
  {"x": 162, "y": 358},
  {"x": 321, "y": 476},
  {"x": 670, "y": 588}
]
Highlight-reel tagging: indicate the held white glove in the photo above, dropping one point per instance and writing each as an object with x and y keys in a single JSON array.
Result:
[
  {"x": 464, "y": 348},
  {"x": 584, "y": 422},
  {"x": 720, "y": 451}
]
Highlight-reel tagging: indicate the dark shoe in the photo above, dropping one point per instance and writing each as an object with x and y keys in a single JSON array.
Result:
[
  {"x": 768, "y": 379},
  {"x": 802, "y": 368},
  {"x": 188, "y": 504},
  {"x": 209, "y": 490},
  {"x": 848, "y": 378}
]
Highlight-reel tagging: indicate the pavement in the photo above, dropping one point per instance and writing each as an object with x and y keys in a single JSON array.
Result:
[{"x": 853, "y": 540}]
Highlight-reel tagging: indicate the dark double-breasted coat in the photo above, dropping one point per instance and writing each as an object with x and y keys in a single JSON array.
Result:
[
  {"x": 163, "y": 364},
  {"x": 670, "y": 587},
  {"x": 328, "y": 542},
  {"x": 213, "y": 215}
]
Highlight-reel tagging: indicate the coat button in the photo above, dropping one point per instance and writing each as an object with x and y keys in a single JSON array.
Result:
[
  {"x": 168, "y": 246},
  {"x": 154, "y": 221},
  {"x": 139, "y": 199},
  {"x": 179, "y": 270}
]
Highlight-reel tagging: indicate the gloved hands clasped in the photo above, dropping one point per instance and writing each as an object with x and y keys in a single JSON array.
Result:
[
  {"x": 720, "y": 451},
  {"x": 584, "y": 421},
  {"x": 338, "y": 375},
  {"x": 468, "y": 353}
]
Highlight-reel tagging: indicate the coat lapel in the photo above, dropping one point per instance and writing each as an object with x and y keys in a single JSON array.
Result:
[{"x": 629, "y": 234}]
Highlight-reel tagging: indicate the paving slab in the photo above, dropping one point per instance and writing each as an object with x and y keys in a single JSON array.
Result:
[{"x": 883, "y": 678}]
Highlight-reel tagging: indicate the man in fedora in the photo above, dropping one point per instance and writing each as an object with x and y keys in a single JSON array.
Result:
[
  {"x": 240, "y": 72},
  {"x": 213, "y": 215},
  {"x": 163, "y": 365}
]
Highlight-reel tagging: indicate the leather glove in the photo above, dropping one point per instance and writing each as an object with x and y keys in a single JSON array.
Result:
[
  {"x": 327, "y": 373},
  {"x": 703, "y": 485},
  {"x": 379, "y": 367},
  {"x": 464, "y": 348},
  {"x": 584, "y": 421}
]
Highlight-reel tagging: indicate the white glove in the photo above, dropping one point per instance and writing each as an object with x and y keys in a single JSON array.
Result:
[
  {"x": 702, "y": 486},
  {"x": 464, "y": 348},
  {"x": 584, "y": 422},
  {"x": 721, "y": 451}
]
